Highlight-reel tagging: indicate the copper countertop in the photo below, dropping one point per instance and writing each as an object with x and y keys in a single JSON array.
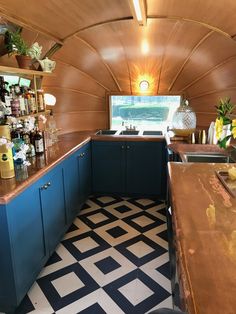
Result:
[
  {"x": 132, "y": 138},
  {"x": 67, "y": 144},
  {"x": 204, "y": 216}
]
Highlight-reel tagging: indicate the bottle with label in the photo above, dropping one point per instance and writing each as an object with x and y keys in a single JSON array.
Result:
[
  {"x": 33, "y": 108},
  {"x": 41, "y": 105},
  {"x": 38, "y": 143}
]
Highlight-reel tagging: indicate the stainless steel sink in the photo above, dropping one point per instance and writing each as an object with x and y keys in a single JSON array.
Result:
[
  {"x": 126, "y": 132},
  {"x": 207, "y": 157},
  {"x": 106, "y": 132},
  {"x": 152, "y": 133}
]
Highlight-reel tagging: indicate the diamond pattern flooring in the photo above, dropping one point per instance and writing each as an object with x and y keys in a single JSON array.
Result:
[{"x": 113, "y": 259}]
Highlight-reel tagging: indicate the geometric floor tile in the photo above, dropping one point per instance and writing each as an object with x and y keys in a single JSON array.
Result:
[
  {"x": 145, "y": 203},
  {"x": 143, "y": 221},
  {"x": 85, "y": 245},
  {"x": 123, "y": 209},
  {"x": 91, "y": 265},
  {"x": 123, "y": 292},
  {"x": 97, "y": 218},
  {"x": 105, "y": 232},
  {"x": 113, "y": 259},
  {"x": 140, "y": 250}
]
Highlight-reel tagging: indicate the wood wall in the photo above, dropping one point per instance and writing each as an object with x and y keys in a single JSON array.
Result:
[{"x": 190, "y": 50}]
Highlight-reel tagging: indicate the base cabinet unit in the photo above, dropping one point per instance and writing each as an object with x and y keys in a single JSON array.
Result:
[
  {"x": 33, "y": 223},
  {"x": 132, "y": 168},
  {"x": 53, "y": 207},
  {"x": 77, "y": 180},
  {"x": 84, "y": 169},
  {"x": 108, "y": 167}
]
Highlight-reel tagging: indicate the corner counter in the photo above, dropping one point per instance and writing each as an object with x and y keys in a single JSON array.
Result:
[{"x": 204, "y": 219}]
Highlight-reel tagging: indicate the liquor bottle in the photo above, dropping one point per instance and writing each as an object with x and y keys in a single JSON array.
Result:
[
  {"x": 33, "y": 108},
  {"x": 26, "y": 99},
  {"x": 38, "y": 143},
  {"x": 41, "y": 105},
  {"x": 31, "y": 150}
]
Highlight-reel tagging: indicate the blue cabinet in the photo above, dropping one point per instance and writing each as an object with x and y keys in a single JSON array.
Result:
[
  {"x": 53, "y": 207},
  {"x": 77, "y": 180},
  {"x": 84, "y": 170},
  {"x": 108, "y": 167},
  {"x": 132, "y": 168},
  {"x": 32, "y": 224},
  {"x": 145, "y": 168}
]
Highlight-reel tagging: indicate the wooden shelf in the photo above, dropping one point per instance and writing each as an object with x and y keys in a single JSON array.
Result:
[
  {"x": 10, "y": 70},
  {"x": 46, "y": 112}
]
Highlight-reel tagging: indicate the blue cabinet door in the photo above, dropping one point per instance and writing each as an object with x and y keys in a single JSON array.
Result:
[
  {"x": 71, "y": 184},
  {"x": 145, "y": 168},
  {"x": 53, "y": 206},
  {"x": 108, "y": 167},
  {"x": 84, "y": 168},
  {"x": 24, "y": 215}
]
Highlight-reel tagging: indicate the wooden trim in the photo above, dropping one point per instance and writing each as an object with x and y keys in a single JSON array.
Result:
[
  {"x": 105, "y": 64},
  {"x": 209, "y": 71},
  {"x": 212, "y": 92},
  {"x": 95, "y": 25},
  {"x": 19, "y": 21},
  {"x": 164, "y": 53},
  {"x": 84, "y": 73},
  {"x": 188, "y": 58},
  {"x": 206, "y": 113},
  {"x": 78, "y": 112},
  {"x": 11, "y": 70},
  {"x": 51, "y": 51},
  {"x": 212, "y": 28},
  {"x": 73, "y": 90}
]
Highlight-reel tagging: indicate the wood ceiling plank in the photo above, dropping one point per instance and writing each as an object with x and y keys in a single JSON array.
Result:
[
  {"x": 88, "y": 61},
  {"x": 69, "y": 77},
  {"x": 214, "y": 13}
]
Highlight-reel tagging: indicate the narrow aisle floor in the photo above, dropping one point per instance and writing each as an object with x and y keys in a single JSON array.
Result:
[{"x": 113, "y": 259}]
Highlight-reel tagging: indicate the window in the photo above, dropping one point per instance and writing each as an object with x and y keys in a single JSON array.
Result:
[{"x": 143, "y": 112}]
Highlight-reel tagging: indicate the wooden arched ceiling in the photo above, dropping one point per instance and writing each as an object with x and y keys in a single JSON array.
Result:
[{"x": 190, "y": 50}]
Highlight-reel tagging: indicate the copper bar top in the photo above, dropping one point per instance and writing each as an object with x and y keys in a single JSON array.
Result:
[
  {"x": 204, "y": 216},
  {"x": 67, "y": 144}
]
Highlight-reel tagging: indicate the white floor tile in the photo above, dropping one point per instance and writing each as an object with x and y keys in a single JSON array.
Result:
[
  {"x": 67, "y": 284},
  {"x": 140, "y": 249},
  {"x": 143, "y": 221},
  {"x": 96, "y": 218},
  {"x": 136, "y": 291},
  {"x": 85, "y": 244}
]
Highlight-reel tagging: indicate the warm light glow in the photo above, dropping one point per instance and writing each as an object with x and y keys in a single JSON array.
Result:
[
  {"x": 138, "y": 11},
  {"x": 49, "y": 99},
  {"x": 145, "y": 47},
  {"x": 144, "y": 86}
]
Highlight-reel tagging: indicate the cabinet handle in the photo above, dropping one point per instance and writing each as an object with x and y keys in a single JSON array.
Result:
[
  {"x": 44, "y": 187},
  {"x": 83, "y": 154},
  {"x": 49, "y": 184},
  {"x": 128, "y": 147},
  {"x": 122, "y": 147}
]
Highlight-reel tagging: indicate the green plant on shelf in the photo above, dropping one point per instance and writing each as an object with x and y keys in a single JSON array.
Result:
[{"x": 225, "y": 125}]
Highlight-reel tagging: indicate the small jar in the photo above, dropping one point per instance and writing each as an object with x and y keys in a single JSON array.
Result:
[{"x": 21, "y": 171}]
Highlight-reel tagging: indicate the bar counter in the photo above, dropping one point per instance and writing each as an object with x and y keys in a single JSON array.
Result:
[
  {"x": 67, "y": 144},
  {"x": 204, "y": 219}
]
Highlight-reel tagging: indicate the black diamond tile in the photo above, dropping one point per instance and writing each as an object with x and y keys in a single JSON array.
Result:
[
  {"x": 53, "y": 259},
  {"x": 85, "y": 206},
  {"x": 69, "y": 245},
  {"x": 159, "y": 294},
  {"x": 95, "y": 308},
  {"x": 57, "y": 302},
  {"x": 163, "y": 235},
  {"x": 162, "y": 211},
  {"x": 134, "y": 201},
  {"x": 165, "y": 270},
  {"x": 26, "y": 306},
  {"x": 122, "y": 209},
  {"x": 88, "y": 222},
  {"x": 72, "y": 228},
  {"x": 107, "y": 265},
  {"x": 156, "y": 221},
  {"x": 139, "y": 261},
  {"x": 96, "y": 200},
  {"x": 116, "y": 232}
]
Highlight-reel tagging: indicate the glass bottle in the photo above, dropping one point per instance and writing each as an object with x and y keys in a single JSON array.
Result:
[
  {"x": 184, "y": 120},
  {"x": 41, "y": 105},
  {"x": 38, "y": 143}
]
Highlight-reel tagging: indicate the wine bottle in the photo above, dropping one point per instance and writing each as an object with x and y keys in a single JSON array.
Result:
[{"x": 38, "y": 143}]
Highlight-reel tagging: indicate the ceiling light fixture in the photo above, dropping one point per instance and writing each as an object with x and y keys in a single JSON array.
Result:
[
  {"x": 144, "y": 86},
  {"x": 139, "y": 11}
]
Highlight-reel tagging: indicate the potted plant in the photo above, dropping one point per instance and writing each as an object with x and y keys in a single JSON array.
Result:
[{"x": 16, "y": 45}]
